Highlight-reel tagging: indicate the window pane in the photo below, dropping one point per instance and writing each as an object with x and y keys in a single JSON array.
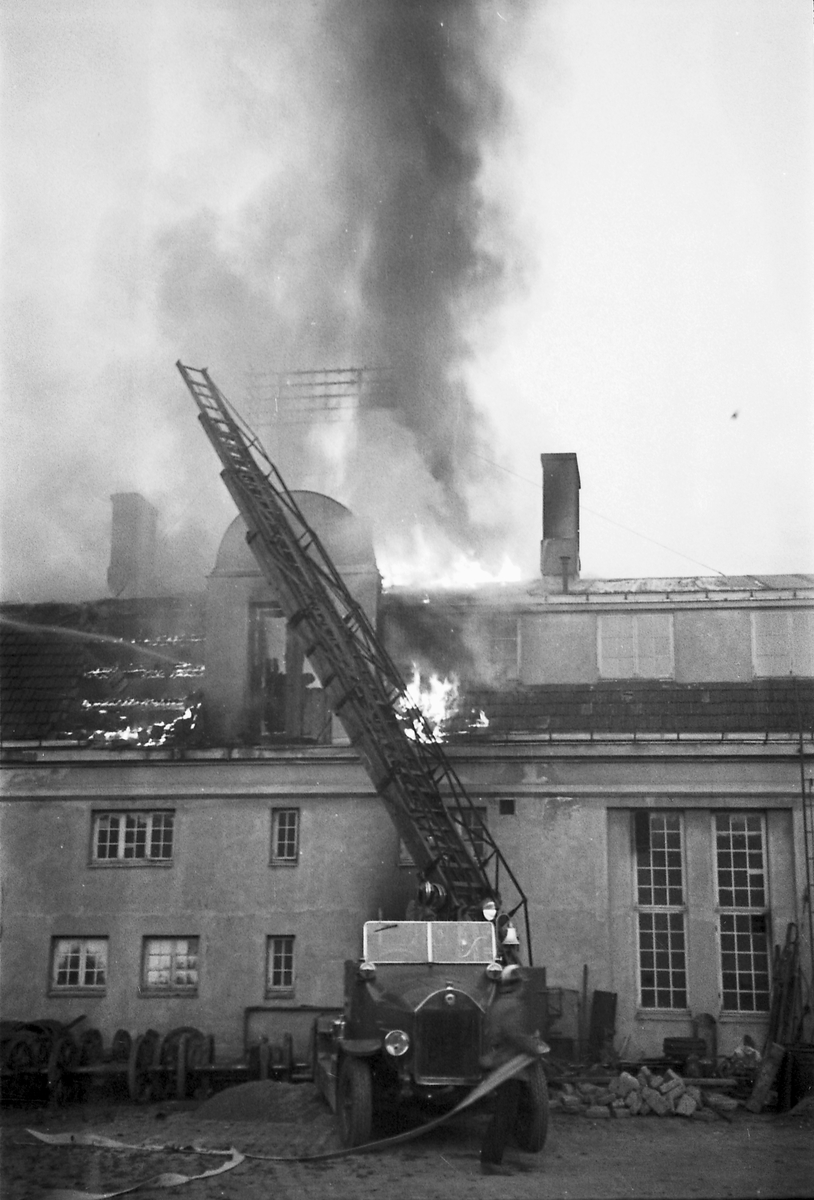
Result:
[
  {"x": 107, "y": 837},
  {"x": 285, "y": 829},
  {"x": 660, "y": 894},
  {"x": 171, "y": 963},
  {"x": 664, "y": 987},
  {"x": 80, "y": 963},
  {"x": 280, "y": 970},
  {"x": 161, "y": 835},
  {"x": 133, "y": 836},
  {"x": 740, "y": 856}
]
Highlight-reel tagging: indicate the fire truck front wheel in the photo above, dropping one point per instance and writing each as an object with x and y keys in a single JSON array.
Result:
[
  {"x": 531, "y": 1126},
  {"x": 355, "y": 1106}
]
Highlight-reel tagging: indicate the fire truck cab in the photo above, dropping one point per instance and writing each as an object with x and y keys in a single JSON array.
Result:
[{"x": 413, "y": 1023}]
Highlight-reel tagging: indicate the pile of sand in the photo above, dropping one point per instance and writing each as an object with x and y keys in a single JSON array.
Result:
[{"x": 265, "y": 1100}]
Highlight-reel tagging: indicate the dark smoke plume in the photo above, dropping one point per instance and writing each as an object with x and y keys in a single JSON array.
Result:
[
  {"x": 368, "y": 250},
  {"x": 244, "y": 186},
  {"x": 425, "y": 102}
]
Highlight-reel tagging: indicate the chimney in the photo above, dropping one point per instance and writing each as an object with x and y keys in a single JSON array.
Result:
[
  {"x": 559, "y": 549},
  {"x": 132, "y": 570}
]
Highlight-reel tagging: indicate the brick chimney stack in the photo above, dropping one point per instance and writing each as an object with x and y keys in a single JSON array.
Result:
[
  {"x": 132, "y": 570},
  {"x": 559, "y": 549}
]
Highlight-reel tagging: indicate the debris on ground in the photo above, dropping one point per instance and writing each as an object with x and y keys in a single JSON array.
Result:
[{"x": 628, "y": 1095}]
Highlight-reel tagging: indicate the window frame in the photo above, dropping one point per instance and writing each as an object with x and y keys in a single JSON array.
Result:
[
  {"x": 99, "y": 814},
  {"x": 748, "y": 911},
  {"x": 283, "y": 990},
  {"x": 653, "y": 911},
  {"x": 635, "y": 620},
  {"x": 275, "y": 859},
  {"x": 171, "y": 989},
  {"x": 797, "y": 628},
  {"x": 77, "y": 989}
]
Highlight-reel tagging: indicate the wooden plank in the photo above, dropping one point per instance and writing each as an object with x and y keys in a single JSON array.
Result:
[{"x": 766, "y": 1076}]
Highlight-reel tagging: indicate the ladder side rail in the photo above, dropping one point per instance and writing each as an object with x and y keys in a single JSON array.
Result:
[
  {"x": 218, "y": 411},
  {"x": 340, "y": 594},
  {"x": 296, "y": 576},
  {"x": 364, "y": 708}
]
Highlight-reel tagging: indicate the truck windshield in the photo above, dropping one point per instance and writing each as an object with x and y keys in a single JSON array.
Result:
[{"x": 429, "y": 941}]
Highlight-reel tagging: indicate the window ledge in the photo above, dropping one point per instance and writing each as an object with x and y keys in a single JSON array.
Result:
[
  {"x": 162, "y": 993},
  {"x": 663, "y": 1014},
  {"x": 280, "y": 994},
  {"x": 129, "y": 863},
  {"x": 731, "y": 1017},
  {"x": 54, "y": 993},
  {"x": 284, "y": 862}
]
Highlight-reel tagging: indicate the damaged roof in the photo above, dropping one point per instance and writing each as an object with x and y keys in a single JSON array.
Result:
[
  {"x": 111, "y": 672},
  {"x": 636, "y": 707}
]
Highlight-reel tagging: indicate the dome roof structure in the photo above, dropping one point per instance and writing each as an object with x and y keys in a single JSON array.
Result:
[{"x": 346, "y": 538}]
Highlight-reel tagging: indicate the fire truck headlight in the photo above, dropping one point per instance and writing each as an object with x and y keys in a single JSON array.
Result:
[
  {"x": 397, "y": 1043},
  {"x": 367, "y": 971},
  {"x": 494, "y": 971},
  {"x": 489, "y": 910}
]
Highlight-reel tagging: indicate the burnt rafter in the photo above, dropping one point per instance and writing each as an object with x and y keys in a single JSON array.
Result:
[{"x": 420, "y": 789}]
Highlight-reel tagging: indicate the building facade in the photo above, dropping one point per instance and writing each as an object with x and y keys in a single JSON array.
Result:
[{"x": 641, "y": 751}]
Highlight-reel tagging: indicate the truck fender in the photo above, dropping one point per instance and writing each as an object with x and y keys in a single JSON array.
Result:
[{"x": 360, "y": 1047}]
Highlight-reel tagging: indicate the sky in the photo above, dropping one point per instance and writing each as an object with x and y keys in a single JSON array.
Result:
[{"x": 563, "y": 225}]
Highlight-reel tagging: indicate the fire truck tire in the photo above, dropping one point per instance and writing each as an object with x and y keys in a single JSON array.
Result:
[
  {"x": 355, "y": 1101},
  {"x": 531, "y": 1126}
]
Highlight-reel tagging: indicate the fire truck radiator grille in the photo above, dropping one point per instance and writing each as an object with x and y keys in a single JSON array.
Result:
[{"x": 448, "y": 1044}]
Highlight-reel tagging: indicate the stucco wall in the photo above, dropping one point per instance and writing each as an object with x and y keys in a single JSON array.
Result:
[
  {"x": 568, "y": 841},
  {"x": 219, "y": 888}
]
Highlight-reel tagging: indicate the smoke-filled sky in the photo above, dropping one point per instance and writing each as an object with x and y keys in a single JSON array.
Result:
[{"x": 565, "y": 225}]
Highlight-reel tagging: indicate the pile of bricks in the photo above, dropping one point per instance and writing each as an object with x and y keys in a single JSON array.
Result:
[{"x": 628, "y": 1095}]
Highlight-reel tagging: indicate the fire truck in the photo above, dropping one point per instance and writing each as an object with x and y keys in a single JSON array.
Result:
[{"x": 416, "y": 997}]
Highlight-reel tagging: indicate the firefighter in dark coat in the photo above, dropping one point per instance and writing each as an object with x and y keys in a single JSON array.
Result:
[{"x": 504, "y": 1038}]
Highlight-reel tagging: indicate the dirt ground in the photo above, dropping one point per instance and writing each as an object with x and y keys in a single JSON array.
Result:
[{"x": 761, "y": 1156}]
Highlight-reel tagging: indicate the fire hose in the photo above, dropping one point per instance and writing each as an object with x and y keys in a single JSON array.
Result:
[
  {"x": 487, "y": 1085},
  {"x": 167, "y": 1180}
]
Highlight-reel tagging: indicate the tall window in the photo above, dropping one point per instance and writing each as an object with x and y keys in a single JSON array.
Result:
[
  {"x": 170, "y": 965},
  {"x": 661, "y": 909},
  {"x": 279, "y": 964},
  {"x": 635, "y": 646},
  {"x": 79, "y": 964},
  {"x": 285, "y": 835},
  {"x": 136, "y": 837},
  {"x": 740, "y": 855}
]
